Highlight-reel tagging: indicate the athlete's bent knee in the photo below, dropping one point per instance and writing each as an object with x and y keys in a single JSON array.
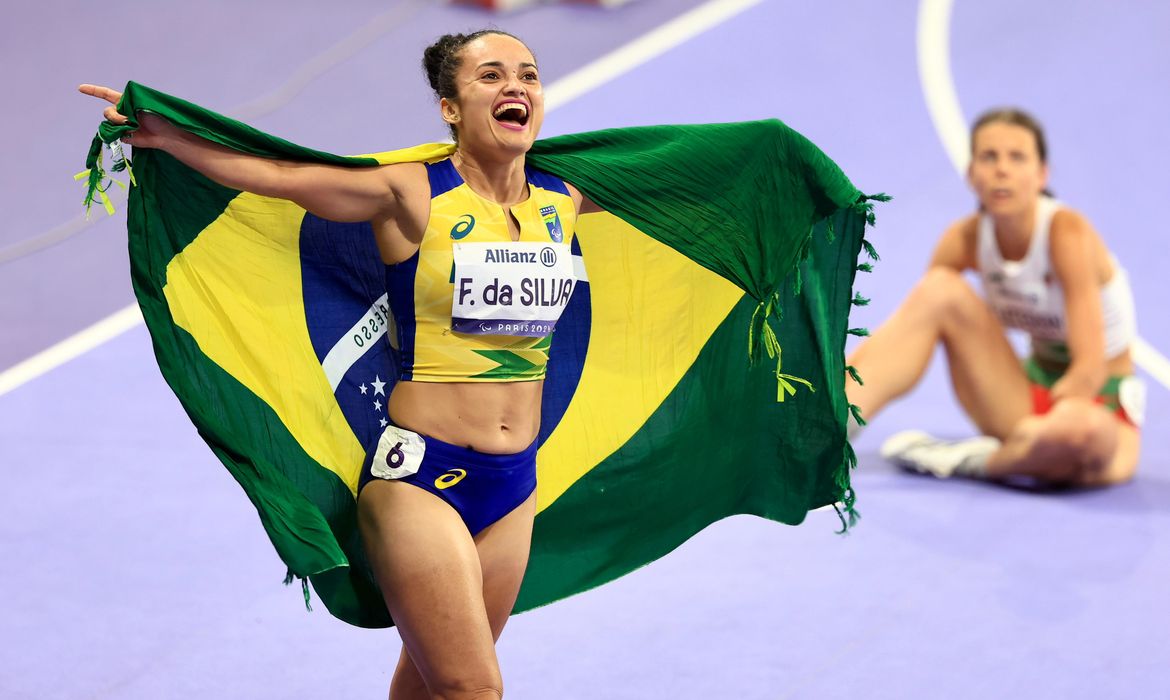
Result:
[
  {"x": 946, "y": 292},
  {"x": 1085, "y": 428}
]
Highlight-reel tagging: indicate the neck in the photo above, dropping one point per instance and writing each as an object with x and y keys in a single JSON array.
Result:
[
  {"x": 1014, "y": 231},
  {"x": 502, "y": 181}
]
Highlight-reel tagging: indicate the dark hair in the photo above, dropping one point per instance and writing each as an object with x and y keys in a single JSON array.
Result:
[
  {"x": 441, "y": 61},
  {"x": 1015, "y": 117}
]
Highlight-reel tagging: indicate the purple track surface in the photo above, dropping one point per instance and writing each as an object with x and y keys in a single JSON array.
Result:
[{"x": 134, "y": 567}]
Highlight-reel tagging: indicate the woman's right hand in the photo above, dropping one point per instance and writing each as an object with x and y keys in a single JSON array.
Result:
[
  {"x": 152, "y": 130},
  {"x": 333, "y": 192}
]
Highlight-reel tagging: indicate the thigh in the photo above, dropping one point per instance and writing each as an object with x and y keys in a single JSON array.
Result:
[
  {"x": 503, "y": 553},
  {"x": 429, "y": 571},
  {"x": 986, "y": 374},
  {"x": 503, "y": 550}
]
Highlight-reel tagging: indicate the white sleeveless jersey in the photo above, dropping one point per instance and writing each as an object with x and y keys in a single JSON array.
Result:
[{"x": 1026, "y": 294}]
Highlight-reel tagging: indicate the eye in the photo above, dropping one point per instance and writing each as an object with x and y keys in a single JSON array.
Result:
[
  {"x": 490, "y": 75},
  {"x": 531, "y": 75}
]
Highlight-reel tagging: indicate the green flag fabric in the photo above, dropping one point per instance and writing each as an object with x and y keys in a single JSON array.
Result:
[{"x": 698, "y": 372}]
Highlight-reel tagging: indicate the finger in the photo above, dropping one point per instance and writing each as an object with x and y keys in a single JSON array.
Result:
[
  {"x": 112, "y": 115},
  {"x": 100, "y": 91}
]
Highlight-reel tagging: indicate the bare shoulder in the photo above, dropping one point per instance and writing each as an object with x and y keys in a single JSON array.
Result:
[
  {"x": 965, "y": 229},
  {"x": 1073, "y": 236},
  {"x": 1067, "y": 223},
  {"x": 956, "y": 248},
  {"x": 411, "y": 193},
  {"x": 581, "y": 203},
  {"x": 1072, "y": 231},
  {"x": 407, "y": 180}
]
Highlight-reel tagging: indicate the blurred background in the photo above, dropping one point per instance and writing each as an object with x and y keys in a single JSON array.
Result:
[{"x": 945, "y": 588}]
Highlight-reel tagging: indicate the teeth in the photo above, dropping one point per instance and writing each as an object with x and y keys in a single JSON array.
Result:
[{"x": 511, "y": 105}]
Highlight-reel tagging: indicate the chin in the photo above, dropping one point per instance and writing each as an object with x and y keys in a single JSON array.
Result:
[
  {"x": 1005, "y": 209},
  {"x": 517, "y": 144}
]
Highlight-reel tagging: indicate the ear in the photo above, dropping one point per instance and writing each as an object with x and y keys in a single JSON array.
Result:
[
  {"x": 449, "y": 111},
  {"x": 1043, "y": 176}
]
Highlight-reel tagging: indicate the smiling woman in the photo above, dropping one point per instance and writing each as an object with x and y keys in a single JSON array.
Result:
[
  {"x": 269, "y": 275},
  {"x": 469, "y": 559},
  {"x": 513, "y": 109}
]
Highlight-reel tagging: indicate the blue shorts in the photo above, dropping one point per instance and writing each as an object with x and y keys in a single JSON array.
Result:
[{"x": 481, "y": 487}]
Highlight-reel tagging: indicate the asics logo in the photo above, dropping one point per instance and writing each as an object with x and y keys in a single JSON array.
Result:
[
  {"x": 462, "y": 227},
  {"x": 450, "y": 478}
]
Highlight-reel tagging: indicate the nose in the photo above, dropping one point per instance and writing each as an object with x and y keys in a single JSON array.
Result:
[{"x": 514, "y": 86}]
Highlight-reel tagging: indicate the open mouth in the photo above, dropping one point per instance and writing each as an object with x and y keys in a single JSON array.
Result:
[{"x": 513, "y": 115}]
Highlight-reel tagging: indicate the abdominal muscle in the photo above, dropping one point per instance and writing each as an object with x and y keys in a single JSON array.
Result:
[{"x": 496, "y": 418}]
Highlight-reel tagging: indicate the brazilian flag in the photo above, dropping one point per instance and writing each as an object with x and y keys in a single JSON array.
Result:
[{"x": 699, "y": 372}]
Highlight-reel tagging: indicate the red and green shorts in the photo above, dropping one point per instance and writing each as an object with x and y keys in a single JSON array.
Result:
[{"x": 1123, "y": 395}]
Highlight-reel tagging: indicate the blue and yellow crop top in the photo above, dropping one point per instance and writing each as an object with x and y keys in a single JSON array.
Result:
[{"x": 472, "y": 305}]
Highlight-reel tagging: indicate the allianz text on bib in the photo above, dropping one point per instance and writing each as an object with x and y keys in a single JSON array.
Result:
[{"x": 511, "y": 288}]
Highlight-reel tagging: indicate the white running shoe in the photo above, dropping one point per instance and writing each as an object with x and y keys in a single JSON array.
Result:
[{"x": 916, "y": 451}]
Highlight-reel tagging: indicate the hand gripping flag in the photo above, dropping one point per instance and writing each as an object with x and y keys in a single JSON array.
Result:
[{"x": 667, "y": 406}]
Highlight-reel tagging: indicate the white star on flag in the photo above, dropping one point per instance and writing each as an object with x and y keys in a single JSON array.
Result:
[
  {"x": 382, "y": 422},
  {"x": 377, "y": 405},
  {"x": 363, "y": 388},
  {"x": 379, "y": 386}
]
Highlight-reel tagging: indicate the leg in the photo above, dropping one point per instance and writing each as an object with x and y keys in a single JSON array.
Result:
[
  {"x": 985, "y": 371},
  {"x": 503, "y": 554},
  {"x": 1078, "y": 443},
  {"x": 428, "y": 568},
  {"x": 503, "y": 550}
]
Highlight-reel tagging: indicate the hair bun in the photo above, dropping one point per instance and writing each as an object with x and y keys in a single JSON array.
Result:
[{"x": 437, "y": 53}]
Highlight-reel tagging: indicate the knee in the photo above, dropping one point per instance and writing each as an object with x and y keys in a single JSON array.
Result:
[
  {"x": 1084, "y": 427},
  {"x": 945, "y": 292},
  {"x": 1082, "y": 438}
]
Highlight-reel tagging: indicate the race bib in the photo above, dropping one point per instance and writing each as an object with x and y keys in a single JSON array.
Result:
[
  {"x": 399, "y": 453},
  {"x": 514, "y": 288}
]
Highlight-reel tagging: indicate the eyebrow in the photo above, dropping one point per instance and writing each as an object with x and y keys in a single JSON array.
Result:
[{"x": 500, "y": 64}]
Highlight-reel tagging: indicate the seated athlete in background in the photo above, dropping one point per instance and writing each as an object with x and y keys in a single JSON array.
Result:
[{"x": 1069, "y": 413}]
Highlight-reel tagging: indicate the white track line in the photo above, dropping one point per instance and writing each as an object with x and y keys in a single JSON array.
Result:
[
  {"x": 570, "y": 87},
  {"x": 942, "y": 101},
  {"x": 58, "y": 233},
  {"x": 1153, "y": 362},
  {"x": 329, "y": 59},
  {"x": 645, "y": 48},
  {"x": 254, "y": 109},
  {"x": 938, "y": 88},
  {"x": 74, "y": 346}
]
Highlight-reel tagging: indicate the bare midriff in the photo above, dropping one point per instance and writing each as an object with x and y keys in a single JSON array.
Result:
[{"x": 494, "y": 418}]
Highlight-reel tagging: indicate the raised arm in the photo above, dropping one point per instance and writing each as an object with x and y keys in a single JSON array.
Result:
[{"x": 332, "y": 192}]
